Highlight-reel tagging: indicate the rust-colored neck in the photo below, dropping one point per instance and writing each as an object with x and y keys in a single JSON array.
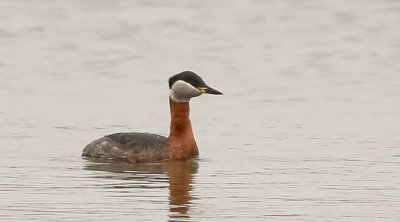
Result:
[{"x": 181, "y": 140}]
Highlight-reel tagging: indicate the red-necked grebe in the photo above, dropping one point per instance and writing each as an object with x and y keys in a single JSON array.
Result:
[{"x": 146, "y": 147}]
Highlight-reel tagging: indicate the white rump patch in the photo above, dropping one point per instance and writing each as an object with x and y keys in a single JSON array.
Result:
[{"x": 182, "y": 91}]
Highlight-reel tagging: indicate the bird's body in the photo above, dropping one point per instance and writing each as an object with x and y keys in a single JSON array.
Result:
[
  {"x": 128, "y": 147},
  {"x": 146, "y": 147}
]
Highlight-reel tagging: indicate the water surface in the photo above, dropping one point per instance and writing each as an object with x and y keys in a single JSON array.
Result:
[{"x": 307, "y": 129}]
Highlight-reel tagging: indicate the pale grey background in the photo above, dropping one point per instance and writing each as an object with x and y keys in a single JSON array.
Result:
[{"x": 308, "y": 128}]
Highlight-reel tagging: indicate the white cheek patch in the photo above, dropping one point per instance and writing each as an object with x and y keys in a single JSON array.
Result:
[{"x": 182, "y": 91}]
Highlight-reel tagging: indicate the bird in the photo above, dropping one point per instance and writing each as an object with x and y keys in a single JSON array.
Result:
[{"x": 135, "y": 147}]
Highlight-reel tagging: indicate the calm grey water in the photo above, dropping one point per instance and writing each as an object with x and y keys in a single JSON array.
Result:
[{"x": 308, "y": 128}]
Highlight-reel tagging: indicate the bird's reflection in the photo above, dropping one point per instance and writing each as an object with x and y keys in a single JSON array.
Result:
[{"x": 179, "y": 174}]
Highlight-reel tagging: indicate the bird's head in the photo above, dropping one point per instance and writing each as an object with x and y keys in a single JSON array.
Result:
[{"x": 186, "y": 85}]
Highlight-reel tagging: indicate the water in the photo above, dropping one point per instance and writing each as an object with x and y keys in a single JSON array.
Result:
[{"x": 308, "y": 128}]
